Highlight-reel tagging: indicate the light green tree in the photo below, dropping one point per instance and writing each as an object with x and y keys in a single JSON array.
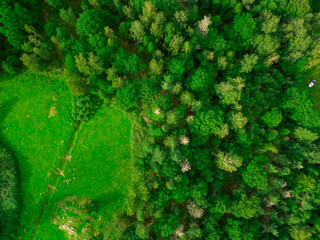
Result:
[
  {"x": 230, "y": 91},
  {"x": 229, "y": 162},
  {"x": 92, "y": 65},
  {"x": 304, "y": 134},
  {"x": 248, "y": 62},
  {"x": 68, "y": 16},
  {"x": 43, "y": 53},
  {"x": 137, "y": 31},
  {"x": 170, "y": 142},
  {"x": 175, "y": 44},
  {"x": 31, "y": 61},
  {"x": 269, "y": 21},
  {"x": 148, "y": 13},
  {"x": 181, "y": 18},
  {"x": 237, "y": 120},
  {"x": 301, "y": 232},
  {"x": 266, "y": 44},
  {"x": 246, "y": 207},
  {"x": 156, "y": 67},
  {"x": 156, "y": 27},
  {"x": 298, "y": 8}
]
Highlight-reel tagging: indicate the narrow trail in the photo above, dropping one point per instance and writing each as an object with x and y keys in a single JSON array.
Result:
[{"x": 55, "y": 178}]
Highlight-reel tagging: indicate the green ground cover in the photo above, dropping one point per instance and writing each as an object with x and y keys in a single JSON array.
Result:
[
  {"x": 100, "y": 163},
  {"x": 99, "y": 168},
  {"x": 315, "y": 90},
  {"x": 33, "y": 136}
]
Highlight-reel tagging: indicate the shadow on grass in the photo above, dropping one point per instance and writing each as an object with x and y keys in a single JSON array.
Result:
[
  {"x": 5, "y": 109},
  {"x": 109, "y": 197}
]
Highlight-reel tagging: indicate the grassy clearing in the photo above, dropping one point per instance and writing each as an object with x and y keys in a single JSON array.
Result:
[
  {"x": 37, "y": 140},
  {"x": 100, "y": 167},
  {"x": 315, "y": 90},
  {"x": 35, "y": 124}
]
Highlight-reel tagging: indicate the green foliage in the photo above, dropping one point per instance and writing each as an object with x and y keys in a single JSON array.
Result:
[
  {"x": 10, "y": 64},
  {"x": 43, "y": 53},
  {"x": 248, "y": 62},
  {"x": 175, "y": 44},
  {"x": 266, "y": 44},
  {"x": 89, "y": 22},
  {"x": 68, "y": 16},
  {"x": 229, "y": 162},
  {"x": 207, "y": 123},
  {"x": 32, "y": 62},
  {"x": 14, "y": 30},
  {"x": 166, "y": 225},
  {"x": 142, "y": 231},
  {"x": 84, "y": 107},
  {"x": 305, "y": 183},
  {"x": 255, "y": 176},
  {"x": 75, "y": 82},
  {"x": 230, "y": 91},
  {"x": 269, "y": 22},
  {"x": 245, "y": 27},
  {"x": 300, "y": 108},
  {"x": 304, "y": 134},
  {"x": 237, "y": 120},
  {"x": 9, "y": 194},
  {"x": 126, "y": 63},
  {"x": 137, "y": 31},
  {"x": 76, "y": 217},
  {"x": 199, "y": 80},
  {"x": 206, "y": 92},
  {"x": 156, "y": 67},
  {"x": 128, "y": 95},
  {"x": 90, "y": 65},
  {"x": 233, "y": 229},
  {"x": 298, "y": 8},
  {"x": 272, "y": 118},
  {"x": 170, "y": 142},
  {"x": 56, "y": 3},
  {"x": 301, "y": 232},
  {"x": 246, "y": 207}
]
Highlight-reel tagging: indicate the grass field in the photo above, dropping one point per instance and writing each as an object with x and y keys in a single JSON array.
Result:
[
  {"x": 99, "y": 168},
  {"x": 33, "y": 136},
  {"x": 35, "y": 124},
  {"x": 315, "y": 90}
]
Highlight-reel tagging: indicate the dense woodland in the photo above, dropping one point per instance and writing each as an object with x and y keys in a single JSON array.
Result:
[{"x": 226, "y": 139}]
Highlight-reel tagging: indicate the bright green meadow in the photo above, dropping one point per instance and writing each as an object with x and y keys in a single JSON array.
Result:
[{"x": 35, "y": 124}]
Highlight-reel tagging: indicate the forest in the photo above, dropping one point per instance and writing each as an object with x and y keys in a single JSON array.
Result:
[{"x": 159, "y": 119}]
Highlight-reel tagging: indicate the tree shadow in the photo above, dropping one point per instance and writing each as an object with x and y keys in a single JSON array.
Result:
[{"x": 5, "y": 109}]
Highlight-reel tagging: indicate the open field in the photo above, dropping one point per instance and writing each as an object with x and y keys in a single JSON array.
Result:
[
  {"x": 99, "y": 167},
  {"x": 33, "y": 136},
  {"x": 315, "y": 90},
  {"x": 35, "y": 124}
]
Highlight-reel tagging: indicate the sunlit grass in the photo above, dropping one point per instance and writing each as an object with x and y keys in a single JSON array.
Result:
[
  {"x": 35, "y": 139},
  {"x": 100, "y": 167},
  {"x": 313, "y": 74},
  {"x": 100, "y": 164}
]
